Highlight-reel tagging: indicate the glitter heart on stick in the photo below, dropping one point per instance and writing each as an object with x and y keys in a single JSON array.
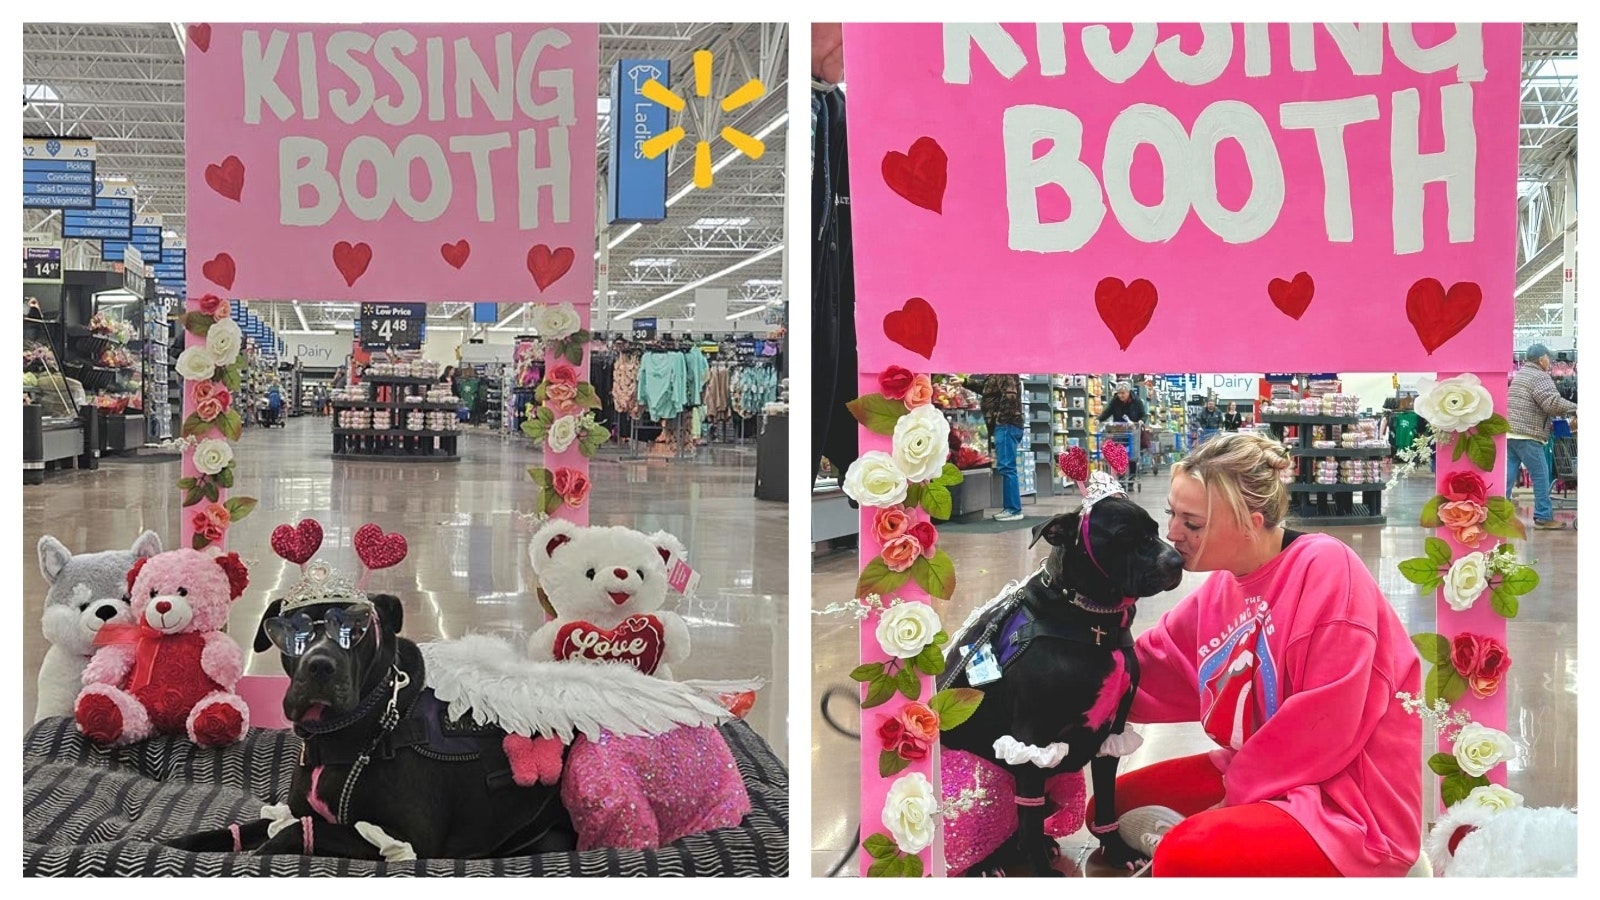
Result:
[
  {"x": 1075, "y": 465},
  {"x": 298, "y": 543},
  {"x": 377, "y": 550},
  {"x": 1116, "y": 456}
]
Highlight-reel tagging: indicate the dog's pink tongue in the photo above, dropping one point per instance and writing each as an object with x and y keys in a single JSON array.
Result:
[{"x": 313, "y": 712}]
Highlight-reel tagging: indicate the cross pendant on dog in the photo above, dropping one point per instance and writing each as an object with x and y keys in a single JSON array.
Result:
[{"x": 1098, "y": 634}]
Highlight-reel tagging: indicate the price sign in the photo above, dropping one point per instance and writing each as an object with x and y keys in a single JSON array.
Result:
[
  {"x": 644, "y": 329},
  {"x": 41, "y": 259},
  {"x": 392, "y": 326}
]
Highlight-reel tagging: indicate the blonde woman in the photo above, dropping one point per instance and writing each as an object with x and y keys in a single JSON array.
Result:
[{"x": 1289, "y": 656}]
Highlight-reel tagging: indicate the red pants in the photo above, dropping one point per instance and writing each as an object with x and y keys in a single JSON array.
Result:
[{"x": 1253, "y": 840}]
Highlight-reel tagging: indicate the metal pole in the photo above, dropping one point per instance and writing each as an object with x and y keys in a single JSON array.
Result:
[{"x": 1569, "y": 251}]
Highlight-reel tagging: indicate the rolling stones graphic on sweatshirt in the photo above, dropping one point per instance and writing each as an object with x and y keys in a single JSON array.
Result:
[{"x": 1238, "y": 678}]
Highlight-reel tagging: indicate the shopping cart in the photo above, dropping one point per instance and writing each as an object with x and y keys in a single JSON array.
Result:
[
  {"x": 1128, "y": 435},
  {"x": 1563, "y": 464}
]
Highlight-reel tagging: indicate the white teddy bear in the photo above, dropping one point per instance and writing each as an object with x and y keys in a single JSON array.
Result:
[
  {"x": 607, "y": 585},
  {"x": 87, "y": 592}
]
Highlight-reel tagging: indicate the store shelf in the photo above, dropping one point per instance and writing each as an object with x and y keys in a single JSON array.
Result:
[
  {"x": 400, "y": 456},
  {"x": 1335, "y": 488},
  {"x": 1360, "y": 514},
  {"x": 374, "y": 404},
  {"x": 1308, "y": 420},
  {"x": 397, "y": 379},
  {"x": 1343, "y": 453},
  {"x": 392, "y": 432}
]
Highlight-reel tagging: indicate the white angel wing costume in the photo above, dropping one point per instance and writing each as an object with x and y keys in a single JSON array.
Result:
[{"x": 489, "y": 677}]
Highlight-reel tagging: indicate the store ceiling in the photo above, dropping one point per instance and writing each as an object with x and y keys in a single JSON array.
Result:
[{"x": 123, "y": 84}]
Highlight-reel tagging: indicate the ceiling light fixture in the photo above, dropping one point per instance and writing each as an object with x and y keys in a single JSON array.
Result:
[{"x": 775, "y": 248}]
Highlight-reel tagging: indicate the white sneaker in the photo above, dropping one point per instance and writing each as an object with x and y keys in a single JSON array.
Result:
[
  {"x": 1144, "y": 827},
  {"x": 1008, "y": 517}
]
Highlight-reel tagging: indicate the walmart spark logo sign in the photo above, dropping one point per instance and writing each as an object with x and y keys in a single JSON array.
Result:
[{"x": 750, "y": 91}]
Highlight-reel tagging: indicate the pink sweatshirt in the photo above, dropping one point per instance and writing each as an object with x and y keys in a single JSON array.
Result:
[{"x": 1293, "y": 671}]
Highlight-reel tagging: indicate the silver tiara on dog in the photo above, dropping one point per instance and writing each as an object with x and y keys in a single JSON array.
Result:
[
  {"x": 320, "y": 582},
  {"x": 1098, "y": 484}
]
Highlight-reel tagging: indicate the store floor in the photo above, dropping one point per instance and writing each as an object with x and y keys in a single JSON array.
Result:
[
  {"x": 1542, "y": 687},
  {"x": 468, "y": 566}
]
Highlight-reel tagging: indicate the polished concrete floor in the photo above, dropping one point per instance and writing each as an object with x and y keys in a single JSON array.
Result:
[
  {"x": 1542, "y": 686},
  {"x": 468, "y": 568}
]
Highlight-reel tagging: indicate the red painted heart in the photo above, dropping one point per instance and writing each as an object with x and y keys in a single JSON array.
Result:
[
  {"x": 219, "y": 270},
  {"x": 378, "y": 550},
  {"x": 352, "y": 260},
  {"x": 547, "y": 266},
  {"x": 914, "y": 326},
  {"x": 639, "y": 642},
  {"x": 1292, "y": 297},
  {"x": 1126, "y": 309},
  {"x": 456, "y": 254},
  {"x": 1438, "y": 316},
  {"x": 201, "y": 35},
  {"x": 297, "y": 543},
  {"x": 920, "y": 175},
  {"x": 227, "y": 178}
]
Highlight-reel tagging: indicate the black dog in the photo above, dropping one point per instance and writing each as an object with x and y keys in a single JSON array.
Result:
[
  {"x": 379, "y": 748},
  {"x": 1043, "y": 657}
]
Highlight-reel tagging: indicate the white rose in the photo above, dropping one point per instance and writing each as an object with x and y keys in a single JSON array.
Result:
[
  {"x": 921, "y": 443},
  {"x": 1456, "y": 404},
  {"x": 1479, "y": 748},
  {"x": 875, "y": 480},
  {"x": 1493, "y": 797},
  {"x": 212, "y": 456},
  {"x": 1466, "y": 581},
  {"x": 562, "y": 433},
  {"x": 905, "y": 628},
  {"x": 223, "y": 342},
  {"x": 556, "y": 321},
  {"x": 196, "y": 364},
  {"x": 911, "y": 812}
]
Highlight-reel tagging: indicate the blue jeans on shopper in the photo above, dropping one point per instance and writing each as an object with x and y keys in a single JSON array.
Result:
[
  {"x": 1006, "y": 440},
  {"x": 1531, "y": 455}
]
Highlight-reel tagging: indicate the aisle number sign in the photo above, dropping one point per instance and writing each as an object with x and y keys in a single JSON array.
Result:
[
  {"x": 392, "y": 326},
  {"x": 57, "y": 173},
  {"x": 41, "y": 259}
]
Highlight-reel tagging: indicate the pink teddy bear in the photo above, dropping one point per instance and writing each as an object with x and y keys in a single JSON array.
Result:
[{"x": 174, "y": 671}]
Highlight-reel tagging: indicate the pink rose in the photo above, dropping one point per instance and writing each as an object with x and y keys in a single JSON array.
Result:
[
  {"x": 1465, "y": 485},
  {"x": 1461, "y": 513},
  {"x": 212, "y": 521},
  {"x": 204, "y": 390},
  {"x": 579, "y": 493},
  {"x": 920, "y": 393},
  {"x": 561, "y": 480},
  {"x": 901, "y": 552},
  {"x": 562, "y": 374},
  {"x": 926, "y": 535},
  {"x": 208, "y": 409},
  {"x": 1470, "y": 536},
  {"x": 890, "y": 523},
  {"x": 213, "y": 306},
  {"x": 1466, "y": 652},
  {"x": 560, "y": 392},
  {"x": 894, "y": 382},
  {"x": 920, "y": 721}
]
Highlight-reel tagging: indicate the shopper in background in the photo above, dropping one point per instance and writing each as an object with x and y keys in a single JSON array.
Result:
[
  {"x": 1002, "y": 412},
  {"x": 1232, "y": 421},
  {"x": 1287, "y": 643},
  {"x": 1209, "y": 420},
  {"x": 1531, "y": 402},
  {"x": 1125, "y": 408}
]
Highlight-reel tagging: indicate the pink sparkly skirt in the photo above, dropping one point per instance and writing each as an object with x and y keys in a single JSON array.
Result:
[
  {"x": 637, "y": 793},
  {"x": 973, "y": 834}
]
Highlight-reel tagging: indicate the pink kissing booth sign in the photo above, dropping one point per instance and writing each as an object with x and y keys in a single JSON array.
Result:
[
  {"x": 413, "y": 162},
  {"x": 1193, "y": 197}
]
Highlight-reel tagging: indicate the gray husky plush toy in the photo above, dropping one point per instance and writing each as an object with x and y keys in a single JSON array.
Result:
[{"x": 87, "y": 591}]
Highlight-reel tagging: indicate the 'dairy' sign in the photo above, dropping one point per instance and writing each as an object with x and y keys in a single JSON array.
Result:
[
  {"x": 423, "y": 162},
  {"x": 1190, "y": 198}
]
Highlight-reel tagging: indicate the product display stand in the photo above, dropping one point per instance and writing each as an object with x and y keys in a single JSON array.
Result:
[
  {"x": 1033, "y": 455},
  {"x": 395, "y": 444},
  {"x": 1328, "y": 504}
]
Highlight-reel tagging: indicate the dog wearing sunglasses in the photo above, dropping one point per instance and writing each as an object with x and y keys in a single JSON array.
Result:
[
  {"x": 384, "y": 772},
  {"x": 1054, "y": 659}
]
